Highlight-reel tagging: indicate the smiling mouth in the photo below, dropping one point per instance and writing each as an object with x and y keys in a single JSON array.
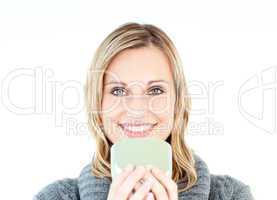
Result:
[{"x": 137, "y": 130}]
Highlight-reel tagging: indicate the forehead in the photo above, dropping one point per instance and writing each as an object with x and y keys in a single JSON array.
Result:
[{"x": 141, "y": 64}]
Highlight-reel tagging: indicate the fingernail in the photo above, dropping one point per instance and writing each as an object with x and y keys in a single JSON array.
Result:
[
  {"x": 150, "y": 196},
  {"x": 148, "y": 183}
]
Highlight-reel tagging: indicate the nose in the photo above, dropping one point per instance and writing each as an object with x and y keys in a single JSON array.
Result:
[{"x": 136, "y": 105}]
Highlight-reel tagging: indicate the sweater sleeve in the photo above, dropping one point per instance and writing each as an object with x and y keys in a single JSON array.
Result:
[
  {"x": 244, "y": 192},
  {"x": 229, "y": 188},
  {"x": 65, "y": 189}
]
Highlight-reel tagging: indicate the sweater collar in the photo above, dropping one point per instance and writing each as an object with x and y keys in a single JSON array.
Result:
[{"x": 91, "y": 187}]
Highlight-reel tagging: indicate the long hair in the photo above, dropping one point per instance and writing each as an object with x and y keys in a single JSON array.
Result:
[{"x": 129, "y": 36}]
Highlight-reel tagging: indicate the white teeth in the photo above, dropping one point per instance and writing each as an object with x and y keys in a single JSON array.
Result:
[{"x": 141, "y": 128}]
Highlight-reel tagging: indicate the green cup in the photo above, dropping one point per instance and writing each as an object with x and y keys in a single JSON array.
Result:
[{"x": 141, "y": 151}]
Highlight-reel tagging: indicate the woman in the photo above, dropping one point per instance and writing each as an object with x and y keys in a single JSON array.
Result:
[{"x": 136, "y": 88}]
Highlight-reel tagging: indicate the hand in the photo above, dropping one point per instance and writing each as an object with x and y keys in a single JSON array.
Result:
[
  {"x": 164, "y": 188},
  {"x": 149, "y": 196},
  {"x": 123, "y": 185},
  {"x": 168, "y": 184}
]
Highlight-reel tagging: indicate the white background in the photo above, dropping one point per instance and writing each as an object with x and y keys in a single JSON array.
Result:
[{"x": 224, "y": 44}]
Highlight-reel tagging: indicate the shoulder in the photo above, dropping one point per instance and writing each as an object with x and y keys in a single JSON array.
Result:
[
  {"x": 64, "y": 189},
  {"x": 227, "y": 187}
]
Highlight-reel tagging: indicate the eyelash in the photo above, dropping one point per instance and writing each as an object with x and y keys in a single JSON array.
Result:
[{"x": 122, "y": 89}]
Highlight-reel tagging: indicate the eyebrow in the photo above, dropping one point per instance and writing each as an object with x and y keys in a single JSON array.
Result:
[{"x": 122, "y": 83}]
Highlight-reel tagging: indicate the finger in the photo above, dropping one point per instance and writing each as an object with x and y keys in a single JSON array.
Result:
[
  {"x": 120, "y": 178},
  {"x": 143, "y": 190},
  {"x": 138, "y": 185},
  {"x": 157, "y": 188},
  {"x": 167, "y": 182},
  {"x": 149, "y": 196},
  {"x": 129, "y": 183}
]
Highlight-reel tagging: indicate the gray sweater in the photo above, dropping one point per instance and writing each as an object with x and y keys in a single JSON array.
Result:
[{"x": 89, "y": 187}]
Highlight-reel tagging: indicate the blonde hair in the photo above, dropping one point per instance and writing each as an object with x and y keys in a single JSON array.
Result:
[{"x": 127, "y": 36}]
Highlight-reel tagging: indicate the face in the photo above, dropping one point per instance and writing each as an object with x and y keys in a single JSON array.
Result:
[{"x": 138, "y": 95}]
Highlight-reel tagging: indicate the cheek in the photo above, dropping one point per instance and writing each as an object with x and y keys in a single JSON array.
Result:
[
  {"x": 163, "y": 106},
  {"x": 165, "y": 122},
  {"x": 109, "y": 103},
  {"x": 110, "y": 111},
  {"x": 105, "y": 111},
  {"x": 111, "y": 129}
]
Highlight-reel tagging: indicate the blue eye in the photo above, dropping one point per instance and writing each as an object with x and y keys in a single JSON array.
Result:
[
  {"x": 118, "y": 91},
  {"x": 156, "y": 91}
]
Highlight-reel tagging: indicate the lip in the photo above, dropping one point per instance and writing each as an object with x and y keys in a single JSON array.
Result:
[{"x": 137, "y": 129}]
